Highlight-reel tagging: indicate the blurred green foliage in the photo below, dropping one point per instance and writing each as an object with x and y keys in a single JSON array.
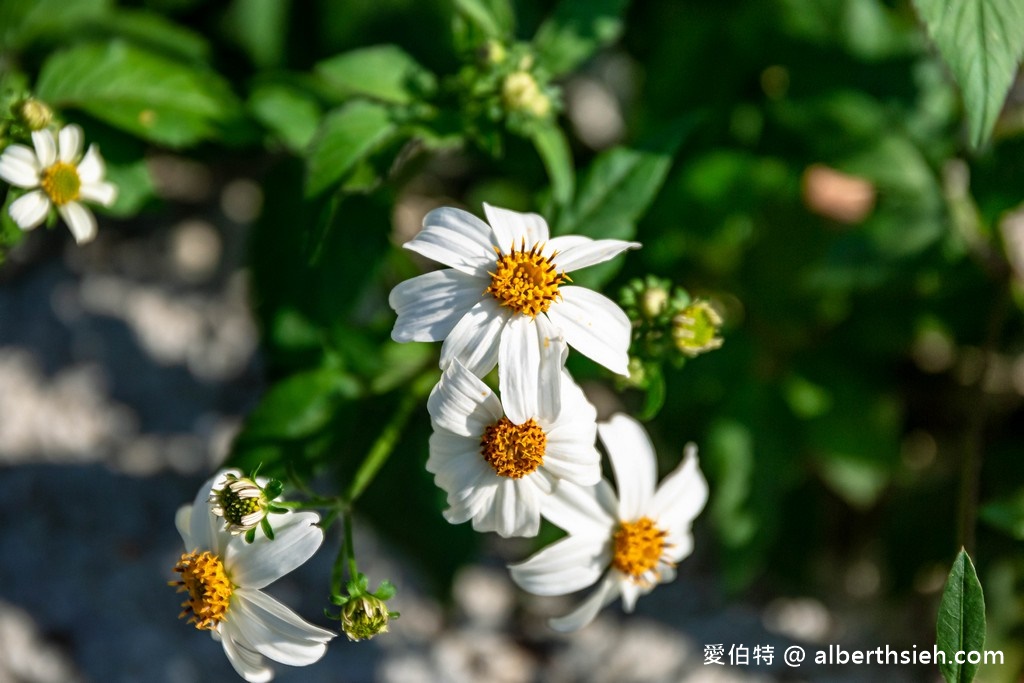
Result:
[{"x": 809, "y": 166}]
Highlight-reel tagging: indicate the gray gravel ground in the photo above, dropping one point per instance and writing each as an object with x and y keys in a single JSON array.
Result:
[{"x": 126, "y": 366}]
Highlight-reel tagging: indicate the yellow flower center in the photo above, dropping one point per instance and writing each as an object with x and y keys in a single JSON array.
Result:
[
  {"x": 61, "y": 183},
  {"x": 208, "y": 587},
  {"x": 526, "y": 281},
  {"x": 638, "y": 547},
  {"x": 513, "y": 450}
]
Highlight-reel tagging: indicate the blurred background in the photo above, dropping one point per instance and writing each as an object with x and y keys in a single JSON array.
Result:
[{"x": 808, "y": 174}]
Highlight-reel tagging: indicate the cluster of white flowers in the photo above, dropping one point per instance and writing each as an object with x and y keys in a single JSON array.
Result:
[
  {"x": 56, "y": 174},
  {"x": 504, "y": 463}
]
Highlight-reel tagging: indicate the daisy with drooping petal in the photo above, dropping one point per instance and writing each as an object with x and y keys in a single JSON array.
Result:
[
  {"x": 504, "y": 300},
  {"x": 57, "y": 175},
  {"x": 223, "y": 575},
  {"x": 632, "y": 542},
  {"x": 495, "y": 471}
]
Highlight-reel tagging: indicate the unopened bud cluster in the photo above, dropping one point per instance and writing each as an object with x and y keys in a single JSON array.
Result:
[
  {"x": 667, "y": 323},
  {"x": 364, "y": 614}
]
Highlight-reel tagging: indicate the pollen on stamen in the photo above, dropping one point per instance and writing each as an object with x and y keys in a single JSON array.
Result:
[
  {"x": 525, "y": 280},
  {"x": 638, "y": 548},
  {"x": 514, "y": 451},
  {"x": 209, "y": 590}
]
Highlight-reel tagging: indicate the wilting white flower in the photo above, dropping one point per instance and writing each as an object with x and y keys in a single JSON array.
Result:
[
  {"x": 631, "y": 542},
  {"x": 505, "y": 301},
  {"x": 60, "y": 176},
  {"x": 497, "y": 472},
  {"x": 223, "y": 575}
]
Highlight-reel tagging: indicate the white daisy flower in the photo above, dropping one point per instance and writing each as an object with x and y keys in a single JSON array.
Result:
[
  {"x": 223, "y": 575},
  {"x": 497, "y": 472},
  {"x": 505, "y": 301},
  {"x": 239, "y": 501},
  {"x": 631, "y": 543},
  {"x": 60, "y": 176}
]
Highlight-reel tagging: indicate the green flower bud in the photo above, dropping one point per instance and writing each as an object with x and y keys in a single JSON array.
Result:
[
  {"x": 492, "y": 52},
  {"x": 32, "y": 114},
  {"x": 364, "y": 616},
  {"x": 695, "y": 329}
]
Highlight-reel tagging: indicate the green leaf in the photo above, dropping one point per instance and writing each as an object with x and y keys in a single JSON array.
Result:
[
  {"x": 494, "y": 18},
  {"x": 260, "y": 28},
  {"x": 554, "y": 151},
  {"x": 24, "y": 21},
  {"x": 982, "y": 42},
  {"x": 618, "y": 187},
  {"x": 383, "y": 72},
  {"x": 576, "y": 30},
  {"x": 140, "y": 92},
  {"x": 134, "y": 187},
  {"x": 961, "y": 622},
  {"x": 155, "y": 33},
  {"x": 296, "y": 406},
  {"x": 289, "y": 112},
  {"x": 346, "y": 136}
]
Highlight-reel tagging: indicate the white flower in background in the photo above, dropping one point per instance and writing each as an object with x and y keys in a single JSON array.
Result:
[
  {"x": 60, "y": 176},
  {"x": 504, "y": 301},
  {"x": 633, "y": 541},
  {"x": 497, "y": 472},
  {"x": 223, "y": 575}
]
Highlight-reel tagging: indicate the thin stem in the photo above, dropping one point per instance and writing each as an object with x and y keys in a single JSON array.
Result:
[
  {"x": 974, "y": 433},
  {"x": 350, "y": 550},
  {"x": 388, "y": 438}
]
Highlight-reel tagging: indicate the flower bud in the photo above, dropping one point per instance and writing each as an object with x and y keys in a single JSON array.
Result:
[
  {"x": 492, "y": 52},
  {"x": 695, "y": 329},
  {"x": 240, "y": 501},
  {"x": 364, "y": 616},
  {"x": 520, "y": 91},
  {"x": 32, "y": 113}
]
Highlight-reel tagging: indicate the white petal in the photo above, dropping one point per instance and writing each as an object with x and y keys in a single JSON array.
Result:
[
  {"x": 19, "y": 166},
  {"x": 512, "y": 228},
  {"x": 570, "y": 452},
  {"x": 104, "y": 194},
  {"x": 630, "y": 592},
  {"x": 593, "y": 325},
  {"x": 681, "y": 495},
  {"x": 256, "y": 564},
  {"x": 472, "y": 503},
  {"x": 515, "y": 511},
  {"x": 249, "y": 664},
  {"x": 575, "y": 252},
  {"x": 430, "y": 305},
  {"x": 462, "y": 404},
  {"x": 678, "y": 546},
  {"x": 69, "y": 143},
  {"x": 474, "y": 339},
  {"x": 30, "y": 210},
  {"x": 80, "y": 221},
  {"x": 203, "y": 524},
  {"x": 182, "y": 520},
  {"x": 634, "y": 462},
  {"x": 46, "y": 147},
  {"x": 91, "y": 168},
  {"x": 275, "y": 631},
  {"x": 585, "y": 613},
  {"x": 566, "y": 566},
  {"x": 457, "y": 471},
  {"x": 530, "y": 361},
  {"x": 573, "y": 461},
  {"x": 583, "y": 510},
  {"x": 458, "y": 239}
]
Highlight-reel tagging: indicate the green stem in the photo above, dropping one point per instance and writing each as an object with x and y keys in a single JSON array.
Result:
[
  {"x": 350, "y": 550},
  {"x": 388, "y": 438},
  {"x": 974, "y": 433}
]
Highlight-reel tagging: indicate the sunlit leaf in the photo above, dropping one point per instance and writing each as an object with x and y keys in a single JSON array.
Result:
[
  {"x": 383, "y": 72},
  {"x": 982, "y": 42},
  {"x": 346, "y": 136},
  {"x": 554, "y": 152},
  {"x": 140, "y": 92}
]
